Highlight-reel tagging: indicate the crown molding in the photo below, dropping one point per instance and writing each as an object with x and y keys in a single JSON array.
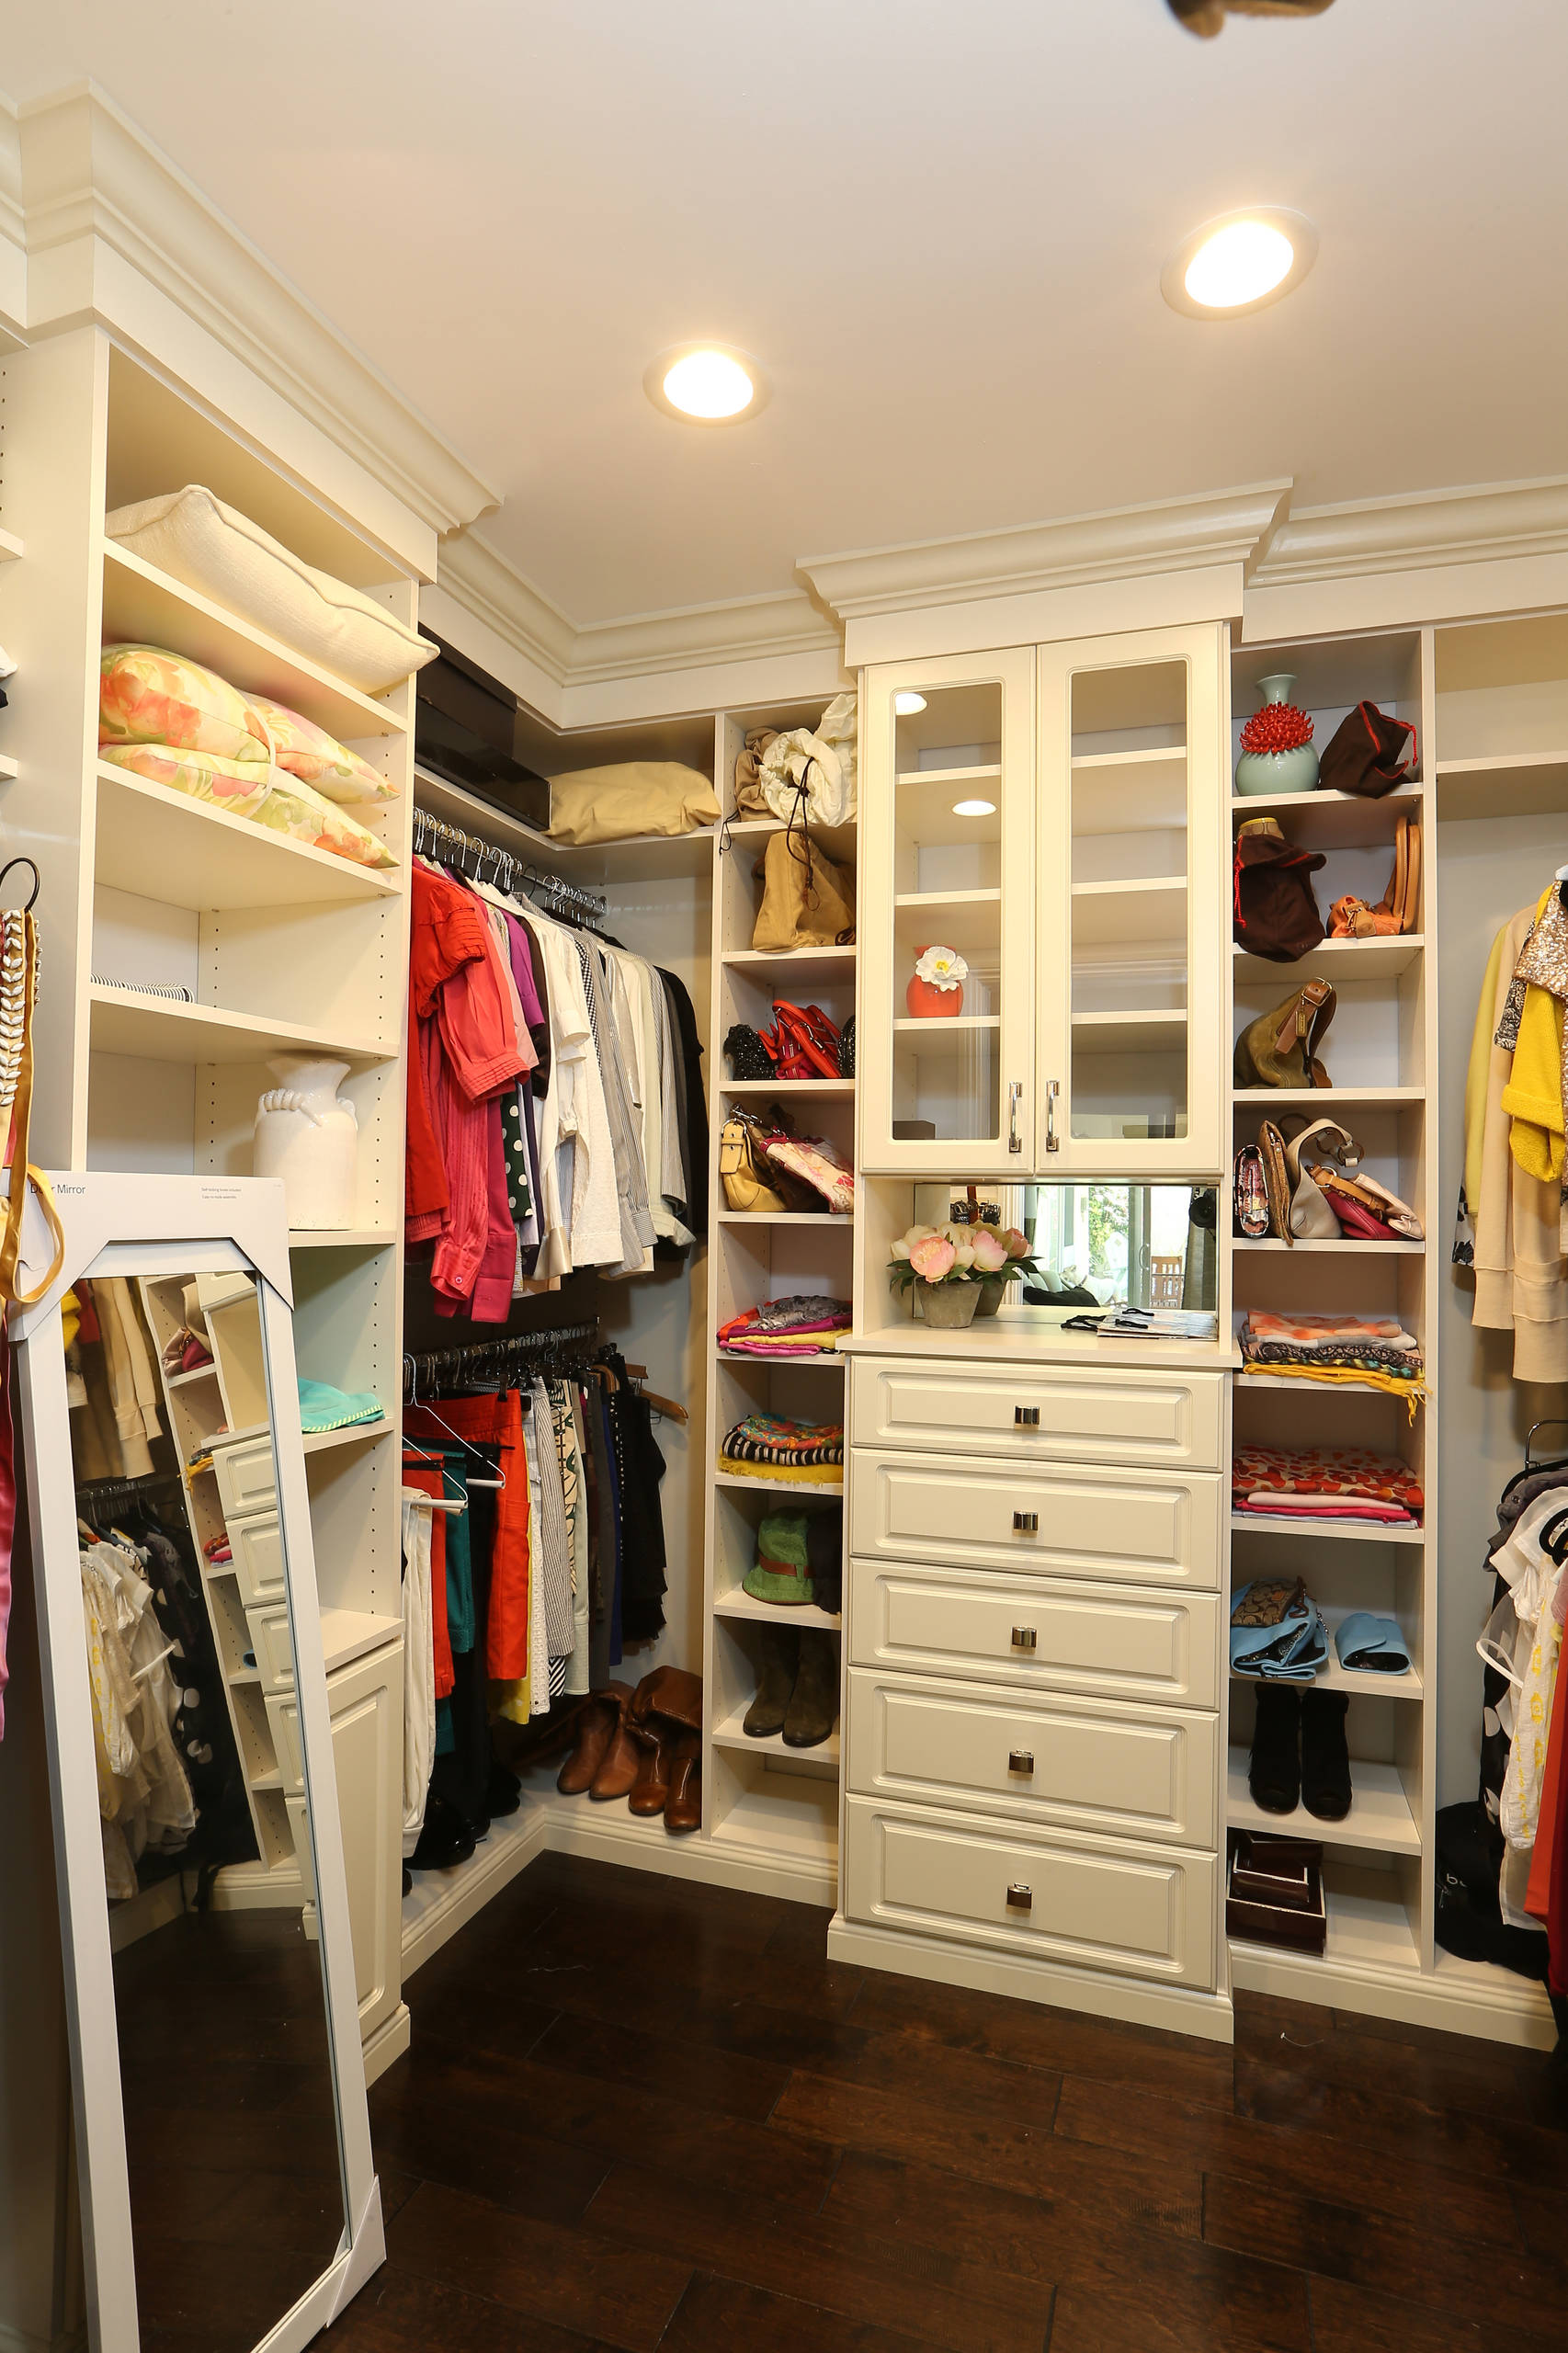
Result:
[
  {"x": 90, "y": 182},
  {"x": 1118, "y": 543},
  {"x": 566, "y": 670},
  {"x": 13, "y": 233},
  {"x": 1489, "y": 522}
]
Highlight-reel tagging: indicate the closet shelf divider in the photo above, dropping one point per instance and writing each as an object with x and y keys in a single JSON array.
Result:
[
  {"x": 164, "y": 846},
  {"x": 162, "y": 1030},
  {"x": 1380, "y": 1818}
]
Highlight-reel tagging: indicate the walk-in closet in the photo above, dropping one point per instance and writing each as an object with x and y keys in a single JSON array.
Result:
[{"x": 784, "y": 1237}]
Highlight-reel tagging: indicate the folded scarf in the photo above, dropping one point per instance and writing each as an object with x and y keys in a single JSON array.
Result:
[
  {"x": 765, "y": 1446},
  {"x": 1315, "y": 1331},
  {"x": 1325, "y": 1471},
  {"x": 1410, "y": 1386}
]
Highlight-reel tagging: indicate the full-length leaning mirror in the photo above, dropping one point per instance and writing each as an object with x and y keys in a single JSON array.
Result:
[{"x": 228, "y": 2196}]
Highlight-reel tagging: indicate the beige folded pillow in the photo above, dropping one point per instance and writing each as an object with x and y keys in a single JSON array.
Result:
[
  {"x": 193, "y": 536},
  {"x": 638, "y": 797}
]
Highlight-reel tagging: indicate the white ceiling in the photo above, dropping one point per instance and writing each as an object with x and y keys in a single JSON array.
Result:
[{"x": 941, "y": 229}]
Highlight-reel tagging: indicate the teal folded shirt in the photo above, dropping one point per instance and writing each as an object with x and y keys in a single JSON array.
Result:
[{"x": 322, "y": 1408}]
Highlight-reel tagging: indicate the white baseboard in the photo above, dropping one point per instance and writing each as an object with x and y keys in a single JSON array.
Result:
[
  {"x": 443, "y": 1902},
  {"x": 1176, "y": 2008},
  {"x": 389, "y": 2041},
  {"x": 21, "y": 2340},
  {"x": 1459, "y": 1998}
]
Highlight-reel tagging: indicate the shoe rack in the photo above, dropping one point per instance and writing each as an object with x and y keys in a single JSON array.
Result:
[
  {"x": 762, "y": 1801},
  {"x": 1381, "y": 1052}
]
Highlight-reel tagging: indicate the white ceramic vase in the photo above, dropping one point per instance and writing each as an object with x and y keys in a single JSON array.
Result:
[{"x": 309, "y": 1135}]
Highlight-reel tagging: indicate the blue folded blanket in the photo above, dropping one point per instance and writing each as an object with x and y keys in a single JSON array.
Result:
[{"x": 322, "y": 1408}]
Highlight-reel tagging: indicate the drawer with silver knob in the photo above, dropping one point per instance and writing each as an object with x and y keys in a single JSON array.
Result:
[
  {"x": 1156, "y": 1419},
  {"x": 1089, "y": 1765},
  {"x": 1132, "y": 1909},
  {"x": 1037, "y": 1635},
  {"x": 1138, "y": 1527}
]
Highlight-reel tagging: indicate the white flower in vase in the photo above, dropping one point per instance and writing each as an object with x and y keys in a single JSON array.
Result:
[{"x": 942, "y": 968}]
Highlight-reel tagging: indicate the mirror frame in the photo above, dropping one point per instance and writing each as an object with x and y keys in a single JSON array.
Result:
[{"x": 141, "y": 1225}]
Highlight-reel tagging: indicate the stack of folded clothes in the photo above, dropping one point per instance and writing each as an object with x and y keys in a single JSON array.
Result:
[
  {"x": 1277, "y": 1633},
  {"x": 1314, "y": 1484},
  {"x": 806, "y": 1324},
  {"x": 765, "y": 1446},
  {"x": 1372, "y": 1351}
]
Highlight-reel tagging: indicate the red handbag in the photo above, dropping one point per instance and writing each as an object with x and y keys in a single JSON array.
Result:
[{"x": 803, "y": 1042}]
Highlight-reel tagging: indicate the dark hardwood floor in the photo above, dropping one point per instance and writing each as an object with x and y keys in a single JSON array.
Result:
[{"x": 641, "y": 2113}]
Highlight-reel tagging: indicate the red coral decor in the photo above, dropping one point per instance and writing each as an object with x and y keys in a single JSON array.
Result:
[{"x": 1277, "y": 727}]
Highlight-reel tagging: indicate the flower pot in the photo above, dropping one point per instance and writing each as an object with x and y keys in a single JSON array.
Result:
[
  {"x": 1295, "y": 770},
  {"x": 992, "y": 1291},
  {"x": 948, "y": 1307}
]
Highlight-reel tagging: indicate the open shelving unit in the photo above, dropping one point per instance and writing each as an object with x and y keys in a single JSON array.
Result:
[
  {"x": 279, "y": 947},
  {"x": 1382, "y": 1054},
  {"x": 770, "y": 1802}
]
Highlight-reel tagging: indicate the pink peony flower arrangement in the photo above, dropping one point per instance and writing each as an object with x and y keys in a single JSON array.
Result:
[{"x": 959, "y": 1254}]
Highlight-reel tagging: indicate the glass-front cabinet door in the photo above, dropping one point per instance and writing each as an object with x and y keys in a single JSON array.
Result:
[
  {"x": 946, "y": 947},
  {"x": 1132, "y": 933}
]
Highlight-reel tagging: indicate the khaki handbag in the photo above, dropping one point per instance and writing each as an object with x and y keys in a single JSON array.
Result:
[
  {"x": 806, "y": 901},
  {"x": 1280, "y": 1049}
]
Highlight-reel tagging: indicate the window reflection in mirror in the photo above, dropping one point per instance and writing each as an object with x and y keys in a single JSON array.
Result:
[
  {"x": 1096, "y": 1244},
  {"x": 225, "y": 2062}
]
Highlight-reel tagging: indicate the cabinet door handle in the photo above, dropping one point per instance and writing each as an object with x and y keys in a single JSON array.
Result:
[
  {"x": 1020, "y": 1760},
  {"x": 1015, "y": 1097},
  {"x": 1025, "y": 1638},
  {"x": 1026, "y": 1523},
  {"x": 1052, "y": 1089},
  {"x": 1019, "y": 1897},
  {"x": 1026, "y": 1417}
]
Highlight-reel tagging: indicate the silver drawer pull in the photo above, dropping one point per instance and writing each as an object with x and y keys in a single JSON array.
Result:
[
  {"x": 1020, "y": 1760},
  {"x": 1026, "y": 1523},
  {"x": 1019, "y": 1897},
  {"x": 1025, "y": 1638},
  {"x": 1026, "y": 1417}
]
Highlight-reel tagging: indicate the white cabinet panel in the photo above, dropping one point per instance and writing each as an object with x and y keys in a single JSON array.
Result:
[
  {"x": 1147, "y": 1775},
  {"x": 1037, "y": 1635},
  {"x": 1163, "y": 1419},
  {"x": 1097, "y": 1904},
  {"x": 1144, "y": 1528},
  {"x": 246, "y": 1474},
  {"x": 257, "y": 1548},
  {"x": 365, "y": 1702}
]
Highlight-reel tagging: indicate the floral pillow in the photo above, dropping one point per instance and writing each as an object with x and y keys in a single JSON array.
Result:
[
  {"x": 238, "y": 785},
  {"x": 307, "y": 752},
  {"x": 295, "y": 808},
  {"x": 147, "y": 695}
]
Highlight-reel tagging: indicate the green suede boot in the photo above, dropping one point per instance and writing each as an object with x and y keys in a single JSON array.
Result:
[{"x": 813, "y": 1703}]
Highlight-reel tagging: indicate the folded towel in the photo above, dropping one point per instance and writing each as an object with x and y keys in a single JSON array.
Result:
[{"x": 322, "y": 1408}]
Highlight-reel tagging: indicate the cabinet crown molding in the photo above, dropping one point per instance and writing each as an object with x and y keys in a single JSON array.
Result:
[
  {"x": 1118, "y": 543},
  {"x": 88, "y": 183},
  {"x": 1482, "y": 523}
]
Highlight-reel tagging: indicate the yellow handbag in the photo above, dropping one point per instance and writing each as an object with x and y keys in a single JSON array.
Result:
[
  {"x": 741, "y": 1167},
  {"x": 806, "y": 901}
]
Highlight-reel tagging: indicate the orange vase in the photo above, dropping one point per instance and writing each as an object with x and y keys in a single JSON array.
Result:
[{"x": 927, "y": 1001}]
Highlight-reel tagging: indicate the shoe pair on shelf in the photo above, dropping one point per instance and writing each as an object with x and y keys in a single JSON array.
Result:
[
  {"x": 644, "y": 1745},
  {"x": 797, "y": 1690},
  {"x": 1299, "y": 1755}
]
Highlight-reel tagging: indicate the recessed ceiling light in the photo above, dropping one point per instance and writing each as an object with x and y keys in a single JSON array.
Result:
[
  {"x": 974, "y": 808},
  {"x": 708, "y": 384},
  {"x": 1240, "y": 262},
  {"x": 907, "y": 705}
]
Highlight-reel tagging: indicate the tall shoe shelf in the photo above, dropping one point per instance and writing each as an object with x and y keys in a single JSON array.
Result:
[
  {"x": 764, "y": 1803},
  {"x": 279, "y": 947},
  {"x": 1382, "y": 1054}
]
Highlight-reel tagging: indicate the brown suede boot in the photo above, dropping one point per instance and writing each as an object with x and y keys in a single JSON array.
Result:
[
  {"x": 683, "y": 1810},
  {"x": 780, "y": 1648},
  {"x": 597, "y": 1725},
  {"x": 813, "y": 1703}
]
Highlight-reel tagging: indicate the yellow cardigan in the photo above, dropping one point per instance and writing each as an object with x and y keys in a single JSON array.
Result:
[{"x": 1533, "y": 1097}]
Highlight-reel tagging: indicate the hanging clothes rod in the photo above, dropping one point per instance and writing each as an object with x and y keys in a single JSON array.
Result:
[
  {"x": 114, "y": 1491},
  {"x": 428, "y": 1374},
  {"x": 434, "y": 834}
]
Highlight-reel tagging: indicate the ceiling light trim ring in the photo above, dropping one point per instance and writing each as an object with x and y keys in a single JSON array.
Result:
[
  {"x": 654, "y": 377},
  {"x": 1295, "y": 227}
]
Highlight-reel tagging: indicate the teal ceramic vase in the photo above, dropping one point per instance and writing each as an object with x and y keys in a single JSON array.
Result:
[{"x": 1291, "y": 770}]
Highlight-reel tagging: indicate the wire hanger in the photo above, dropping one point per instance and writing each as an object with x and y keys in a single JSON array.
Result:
[{"x": 411, "y": 1369}]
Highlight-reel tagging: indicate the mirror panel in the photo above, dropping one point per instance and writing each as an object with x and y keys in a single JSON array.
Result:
[{"x": 233, "y": 2143}]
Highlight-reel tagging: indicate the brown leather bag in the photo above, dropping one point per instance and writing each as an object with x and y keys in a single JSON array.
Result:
[{"x": 1369, "y": 753}]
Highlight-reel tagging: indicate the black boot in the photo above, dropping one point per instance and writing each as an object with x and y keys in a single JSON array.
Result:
[
  {"x": 813, "y": 1702},
  {"x": 1325, "y": 1759},
  {"x": 780, "y": 1648},
  {"x": 1273, "y": 1776}
]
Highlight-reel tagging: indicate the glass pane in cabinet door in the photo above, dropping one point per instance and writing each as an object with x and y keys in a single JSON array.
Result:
[
  {"x": 947, "y": 914},
  {"x": 1129, "y": 903}
]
